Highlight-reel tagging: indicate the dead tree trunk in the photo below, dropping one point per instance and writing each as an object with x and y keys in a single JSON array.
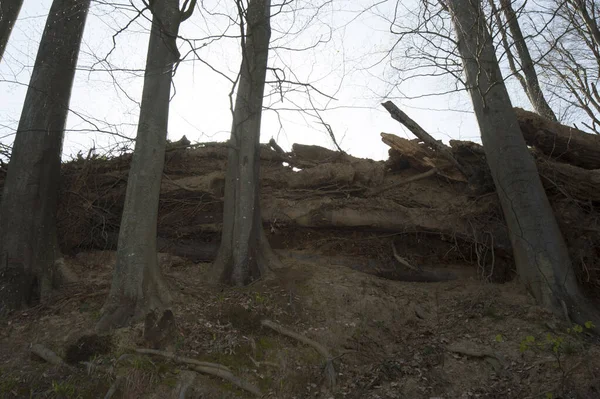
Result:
[
  {"x": 539, "y": 249},
  {"x": 9, "y": 11},
  {"x": 532, "y": 84},
  {"x": 137, "y": 287},
  {"x": 245, "y": 254},
  {"x": 28, "y": 241}
]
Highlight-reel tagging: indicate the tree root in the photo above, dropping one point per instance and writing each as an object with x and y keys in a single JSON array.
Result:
[
  {"x": 180, "y": 359},
  {"x": 113, "y": 388},
  {"x": 495, "y": 359},
  {"x": 424, "y": 175},
  {"x": 330, "y": 372},
  {"x": 186, "y": 380},
  {"x": 227, "y": 375},
  {"x": 214, "y": 369},
  {"x": 403, "y": 261},
  {"x": 48, "y": 355}
]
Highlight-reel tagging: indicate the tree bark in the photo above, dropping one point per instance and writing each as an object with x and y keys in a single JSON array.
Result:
[
  {"x": 541, "y": 256},
  {"x": 9, "y": 11},
  {"x": 28, "y": 241},
  {"x": 533, "y": 89},
  {"x": 244, "y": 254},
  {"x": 560, "y": 142},
  {"x": 137, "y": 288}
]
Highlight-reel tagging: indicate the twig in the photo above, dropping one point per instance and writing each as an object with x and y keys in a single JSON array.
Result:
[
  {"x": 329, "y": 369},
  {"x": 226, "y": 375},
  {"x": 411, "y": 179},
  {"x": 497, "y": 362},
  {"x": 180, "y": 359}
]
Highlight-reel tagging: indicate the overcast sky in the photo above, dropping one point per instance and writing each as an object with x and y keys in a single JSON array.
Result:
[{"x": 343, "y": 66}]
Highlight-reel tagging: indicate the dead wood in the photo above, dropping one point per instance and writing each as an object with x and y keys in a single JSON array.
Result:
[
  {"x": 324, "y": 174},
  {"x": 569, "y": 180},
  {"x": 420, "y": 157},
  {"x": 397, "y": 114},
  {"x": 560, "y": 142},
  {"x": 329, "y": 368},
  {"x": 186, "y": 379},
  {"x": 411, "y": 179}
]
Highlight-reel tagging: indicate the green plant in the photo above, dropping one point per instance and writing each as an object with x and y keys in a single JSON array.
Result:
[
  {"x": 63, "y": 389},
  {"x": 557, "y": 346}
]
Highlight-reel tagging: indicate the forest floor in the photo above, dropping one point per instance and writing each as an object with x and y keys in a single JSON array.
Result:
[{"x": 387, "y": 339}]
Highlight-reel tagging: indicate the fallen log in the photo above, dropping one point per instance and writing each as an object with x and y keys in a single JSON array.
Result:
[
  {"x": 421, "y": 157},
  {"x": 560, "y": 142},
  {"x": 397, "y": 114}
]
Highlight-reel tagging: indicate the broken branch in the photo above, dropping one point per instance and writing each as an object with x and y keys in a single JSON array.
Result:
[{"x": 418, "y": 131}]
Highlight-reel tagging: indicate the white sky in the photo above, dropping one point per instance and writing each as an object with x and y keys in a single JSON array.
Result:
[{"x": 200, "y": 106}]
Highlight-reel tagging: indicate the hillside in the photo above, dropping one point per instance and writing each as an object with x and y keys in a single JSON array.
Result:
[{"x": 401, "y": 271}]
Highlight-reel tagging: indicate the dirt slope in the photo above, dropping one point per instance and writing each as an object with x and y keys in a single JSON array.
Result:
[{"x": 390, "y": 339}]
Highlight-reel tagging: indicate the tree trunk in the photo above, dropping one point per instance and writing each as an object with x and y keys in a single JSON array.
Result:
[
  {"x": 539, "y": 249},
  {"x": 9, "y": 11},
  {"x": 245, "y": 254},
  {"x": 28, "y": 242},
  {"x": 137, "y": 287},
  {"x": 532, "y": 84}
]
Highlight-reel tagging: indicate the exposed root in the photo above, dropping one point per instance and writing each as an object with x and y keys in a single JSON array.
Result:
[
  {"x": 227, "y": 375},
  {"x": 113, "y": 388},
  {"x": 185, "y": 382},
  {"x": 403, "y": 261},
  {"x": 180, "y": 359},
  {"x": 330, "y": 372},
  {"x": 47, "y": 355}
]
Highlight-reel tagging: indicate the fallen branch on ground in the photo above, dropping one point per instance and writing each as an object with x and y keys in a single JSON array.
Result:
[
  {"x": 496, "y": 360},
  {"x": 329, "y": 369}
]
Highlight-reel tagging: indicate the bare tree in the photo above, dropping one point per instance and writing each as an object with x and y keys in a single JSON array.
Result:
[
  {"x": 28, "y": 241},
  {"x": 570, "y": 57},
  {"x": 540, "y": 252},
  {"x": 529, "y": 79},
  {"x": 9, "y": 11},
  {"x": 245, "y": 253},
  {"x": 137, "y": 288}
]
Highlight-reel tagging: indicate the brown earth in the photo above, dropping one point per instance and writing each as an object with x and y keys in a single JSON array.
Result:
[{"x": 451, "y": 324}]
